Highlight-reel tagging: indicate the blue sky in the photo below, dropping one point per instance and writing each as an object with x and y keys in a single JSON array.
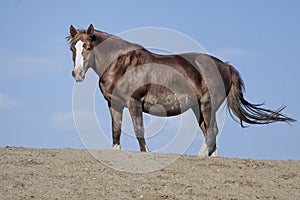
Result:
[{"x": 259, "y": 38}]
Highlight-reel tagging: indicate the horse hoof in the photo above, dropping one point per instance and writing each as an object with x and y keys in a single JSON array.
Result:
[
  {"x": 215, "y": 154},
  {"x": 116, "y": 147}
]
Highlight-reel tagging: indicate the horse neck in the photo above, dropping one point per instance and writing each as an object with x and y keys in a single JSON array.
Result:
[{"x": 109, "y": 49}]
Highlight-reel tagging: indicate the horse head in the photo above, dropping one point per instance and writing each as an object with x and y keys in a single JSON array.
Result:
[{"x": 82, "y": 48}]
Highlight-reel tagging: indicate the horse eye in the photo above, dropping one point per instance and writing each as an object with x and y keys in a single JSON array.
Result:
[{"x": 87, "y": 46}]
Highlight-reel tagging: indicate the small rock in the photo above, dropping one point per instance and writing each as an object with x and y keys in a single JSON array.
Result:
[{"x": 18, "y": 186}]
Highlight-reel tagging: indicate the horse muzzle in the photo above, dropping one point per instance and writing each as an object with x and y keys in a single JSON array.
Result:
[{"x": 78, "y": 75}]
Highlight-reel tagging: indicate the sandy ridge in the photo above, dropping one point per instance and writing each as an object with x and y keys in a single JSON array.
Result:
[{"x": 27, "y": 173}]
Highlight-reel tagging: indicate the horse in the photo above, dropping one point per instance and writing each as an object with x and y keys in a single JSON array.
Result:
[{"x": 132, "y": 77}]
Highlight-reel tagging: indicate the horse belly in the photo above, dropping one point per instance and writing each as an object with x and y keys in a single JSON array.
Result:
[{"x": 168, "y": 104}]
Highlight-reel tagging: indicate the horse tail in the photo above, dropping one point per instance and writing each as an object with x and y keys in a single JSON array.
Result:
[{"x": 248, "y": 112}]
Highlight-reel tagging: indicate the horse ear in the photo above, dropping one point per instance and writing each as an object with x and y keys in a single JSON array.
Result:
[
  {"x": 73, "y": 31},
  {"x": 90, "y": 30}
]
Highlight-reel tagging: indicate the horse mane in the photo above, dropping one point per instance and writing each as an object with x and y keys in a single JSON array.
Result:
[
  {"x": 70, "y": 39},
  {"x": 103, "y": 35}
]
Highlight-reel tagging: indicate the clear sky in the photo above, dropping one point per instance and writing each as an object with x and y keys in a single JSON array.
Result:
[{"x": 259, "y": 38}]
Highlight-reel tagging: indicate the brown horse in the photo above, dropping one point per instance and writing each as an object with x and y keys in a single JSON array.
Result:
[{"x": 163, "y": 85}]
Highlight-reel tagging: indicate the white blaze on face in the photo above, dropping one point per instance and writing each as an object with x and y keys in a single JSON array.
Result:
[{"x": 79, "y": 57}]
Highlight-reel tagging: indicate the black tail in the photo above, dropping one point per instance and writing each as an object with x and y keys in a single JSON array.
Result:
[{"x": 248, "y": 112}]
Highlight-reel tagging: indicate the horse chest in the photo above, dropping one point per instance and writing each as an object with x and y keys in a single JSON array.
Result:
[{"x": 107, "y": 90}]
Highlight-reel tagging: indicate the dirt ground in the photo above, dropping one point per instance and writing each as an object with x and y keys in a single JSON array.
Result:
[{"x": 75, "y": 174}]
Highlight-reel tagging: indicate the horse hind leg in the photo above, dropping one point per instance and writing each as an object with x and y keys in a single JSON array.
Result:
[
  {"x": 197, "y": 112},
  {"x": 209, "y": 128},
  {"x": 211, "y": 132}
]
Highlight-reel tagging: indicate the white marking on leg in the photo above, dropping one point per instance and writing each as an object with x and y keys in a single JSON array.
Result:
[
  {"x": 79, "y": 57},
  {"x": 147, "y": 150},
  {"x": 203, "y": 150},
  {"x": 215, "y": 154},
  {"x": 116, "y": 147}
]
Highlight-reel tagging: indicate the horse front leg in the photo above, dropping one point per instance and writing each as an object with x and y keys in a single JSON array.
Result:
[
  {"x": 136, "y": 113},
  {"x": 116, "y": 119}
]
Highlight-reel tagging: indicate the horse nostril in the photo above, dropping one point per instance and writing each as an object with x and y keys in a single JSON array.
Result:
[{"x": 73, "y": 73}]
